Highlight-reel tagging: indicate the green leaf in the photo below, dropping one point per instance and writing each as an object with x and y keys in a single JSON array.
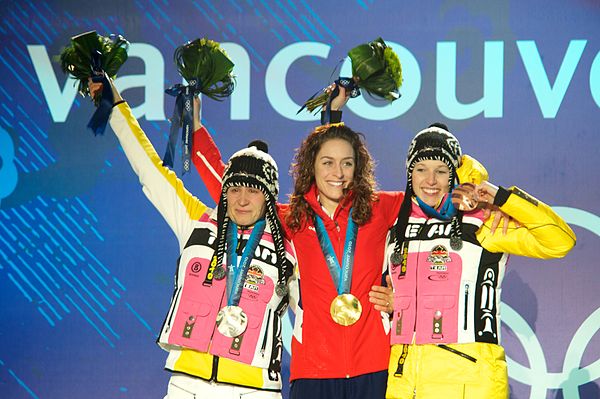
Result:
[
  {"x": 204, "y": 60},
  {"x": 76, "y": 59},
  {"x": 377, "y": 69}
]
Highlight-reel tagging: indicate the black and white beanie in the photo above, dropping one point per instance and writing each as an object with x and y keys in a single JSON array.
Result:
[
  {"x": 433, "y": 143},
  {"x": 253, "y": 167}
]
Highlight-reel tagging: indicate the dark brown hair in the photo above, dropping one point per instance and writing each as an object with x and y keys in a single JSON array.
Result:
[{"x": 303, "y": 172}]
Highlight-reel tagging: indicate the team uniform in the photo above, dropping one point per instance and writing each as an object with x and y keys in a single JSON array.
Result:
[
  {"x": 196, "y": 347},
  {"x": 321, "y": 348}
]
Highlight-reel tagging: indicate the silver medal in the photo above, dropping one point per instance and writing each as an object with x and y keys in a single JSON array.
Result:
[
  {"x": 456, "y": 243},
  {"x": 219, "y": 273},
  {"x": 281, "y": 290},
  {"x": 232, "y": 321},
  {"x": 396, "y": 258}
]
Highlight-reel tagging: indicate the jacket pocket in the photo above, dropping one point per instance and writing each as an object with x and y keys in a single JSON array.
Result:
[{"x": 402, "y": 320}]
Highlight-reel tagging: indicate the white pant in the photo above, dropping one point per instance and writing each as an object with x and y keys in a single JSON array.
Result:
[{"x": 185, "y": 387}]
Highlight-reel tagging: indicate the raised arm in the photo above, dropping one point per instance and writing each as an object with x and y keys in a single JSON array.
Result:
[{"x": 160, "y": 185}]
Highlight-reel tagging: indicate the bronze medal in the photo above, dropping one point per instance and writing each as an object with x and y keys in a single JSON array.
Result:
[
  {"x": 345, "y": 309},
  {"x": 464, "y": 197},
  {"x": 232, "y": 321}
]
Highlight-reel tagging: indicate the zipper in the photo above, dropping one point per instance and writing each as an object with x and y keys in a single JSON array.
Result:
[
  {"x": 457, "y": 352},
  {"x": 215, "y": 368},
  {"x": 466, "y": 306},
  {"x": 264, "y": 342},
  {"x": 173, "y": 311},
  {"x": 419, "y": 241}
]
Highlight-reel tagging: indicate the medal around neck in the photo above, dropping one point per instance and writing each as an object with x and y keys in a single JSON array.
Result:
[
  {"x": 345, "y": 309},
  {"x": 232, "y": 321}
]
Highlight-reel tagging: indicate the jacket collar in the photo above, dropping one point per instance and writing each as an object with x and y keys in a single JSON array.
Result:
[{"x": 343, "y": 208}]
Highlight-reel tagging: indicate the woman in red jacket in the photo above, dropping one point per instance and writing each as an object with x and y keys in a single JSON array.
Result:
[{"x": 335, "y": 213}]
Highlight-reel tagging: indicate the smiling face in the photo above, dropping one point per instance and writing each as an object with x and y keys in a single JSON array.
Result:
[
  {"x": 245, "y": 205},
  {"x": 430, "y": 181},
  {"x": 334, "y": 171}
]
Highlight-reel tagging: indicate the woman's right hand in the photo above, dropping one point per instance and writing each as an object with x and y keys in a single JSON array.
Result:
[
  {"x": 338, "y": 102},
  {"x": 95, "y": 88}
]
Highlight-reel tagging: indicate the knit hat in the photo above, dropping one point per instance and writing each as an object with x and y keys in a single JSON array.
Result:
[
  {"x": 433, "y": 143},
  {"x": 254, "y": 167}
]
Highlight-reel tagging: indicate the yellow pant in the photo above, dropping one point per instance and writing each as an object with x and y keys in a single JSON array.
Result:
[{"x": 465, "y": 371}]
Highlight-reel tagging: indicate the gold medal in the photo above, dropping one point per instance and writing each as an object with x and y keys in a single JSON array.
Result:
[{"x": 345, "y": 309}]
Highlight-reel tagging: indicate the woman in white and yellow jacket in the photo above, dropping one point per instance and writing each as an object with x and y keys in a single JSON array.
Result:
[
  {"x": 223, "y": 327},
  {"x": 447, "y": 267}
]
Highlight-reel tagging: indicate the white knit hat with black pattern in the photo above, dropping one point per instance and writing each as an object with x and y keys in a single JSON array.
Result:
[{"x": 254, "y": 167}]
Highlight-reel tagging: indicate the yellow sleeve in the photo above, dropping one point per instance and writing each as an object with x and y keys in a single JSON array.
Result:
[
  {"x": 541, "y": 234},
  {"x": 161, "y": 186},
  {"x": 471, "y": 171}
]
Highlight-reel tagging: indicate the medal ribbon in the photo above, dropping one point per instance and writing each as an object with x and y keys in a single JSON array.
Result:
[
  {"x": 236, "y": 272},
  {"x": 100, "y": 117},
  {"x": 342, "y": 276},
  {"x": 445, "y": 212},
  {"x": 183, "y": 116}
]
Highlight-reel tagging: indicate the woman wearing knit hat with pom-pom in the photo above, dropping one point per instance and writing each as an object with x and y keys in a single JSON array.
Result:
[
  {"x": 447, "y": 268},
  {"x": 235, "y": 271}
]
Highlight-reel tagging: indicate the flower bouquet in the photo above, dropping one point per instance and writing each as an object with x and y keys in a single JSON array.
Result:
[
  {"x": 376, "y": 68},
  {"x": 208, "y": 70},
  {"x": 92, "y": 55}
]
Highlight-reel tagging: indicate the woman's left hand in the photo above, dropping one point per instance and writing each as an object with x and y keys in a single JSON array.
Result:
[
  {"x": 498, "y": 218},
  {"x": 381, "y": 297}
]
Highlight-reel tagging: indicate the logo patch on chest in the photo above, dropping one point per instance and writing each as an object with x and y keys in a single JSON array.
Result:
[
  {"x": 438, "y": 257},
  {"x": 254, "y": 277}
]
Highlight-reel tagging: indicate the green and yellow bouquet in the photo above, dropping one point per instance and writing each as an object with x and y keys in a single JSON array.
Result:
[
  {"x": 208, "y": 70},
  {"x": 91, "y": 54},
  {"x": 204, "y": 62},
  {"x": 376, "y": 68}
]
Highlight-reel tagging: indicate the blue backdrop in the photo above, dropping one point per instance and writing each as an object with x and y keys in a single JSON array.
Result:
[{"x": 86, "y": 263}]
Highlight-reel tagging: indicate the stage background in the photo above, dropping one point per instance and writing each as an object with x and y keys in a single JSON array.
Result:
[{"x": 86, "y": 263}]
